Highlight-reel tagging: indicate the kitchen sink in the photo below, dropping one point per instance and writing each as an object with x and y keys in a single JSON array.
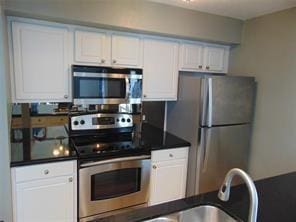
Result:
[{"x": 205, "y": 213}]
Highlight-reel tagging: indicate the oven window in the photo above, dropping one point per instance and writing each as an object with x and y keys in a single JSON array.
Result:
[
  {"x": 99, "y": 87},
  {"x": 115, "y": 183}
]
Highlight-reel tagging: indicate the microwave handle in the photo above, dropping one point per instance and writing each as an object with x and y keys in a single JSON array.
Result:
[
  {"x": 127, "y": 87},
  {"x": 142, "y": 157}
]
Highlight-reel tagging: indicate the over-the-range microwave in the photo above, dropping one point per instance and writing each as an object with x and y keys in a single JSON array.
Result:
[{"x": 105, "y": 85}]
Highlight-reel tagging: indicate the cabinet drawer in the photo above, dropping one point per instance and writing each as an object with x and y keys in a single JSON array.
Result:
[
  {"x": 43, "y": 171},
  {"x": 169, "y": 154}
]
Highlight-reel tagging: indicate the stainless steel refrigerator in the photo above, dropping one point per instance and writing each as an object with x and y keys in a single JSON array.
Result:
[{"x": 215, "y": 114}]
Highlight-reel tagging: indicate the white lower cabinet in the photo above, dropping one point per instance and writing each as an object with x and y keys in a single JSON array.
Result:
[
  {"x": 168, "y": 175},
  {"x": 47, "y": 195}
]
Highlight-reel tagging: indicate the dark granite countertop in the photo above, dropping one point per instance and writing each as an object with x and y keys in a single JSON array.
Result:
[
  {"x": 157, "y": 139},
  {"x": 277, "y": 202},
  {"x": 42, "y": 145}
]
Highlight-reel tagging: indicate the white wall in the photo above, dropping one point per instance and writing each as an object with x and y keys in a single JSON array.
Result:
[
  {"x": 135, "y": 15},
  {"x": 5, "y": 186},
  {"x": 268, "y": 52}
]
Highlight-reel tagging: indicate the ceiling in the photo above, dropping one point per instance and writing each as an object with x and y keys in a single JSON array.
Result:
[{"x": 240, "y": 9}]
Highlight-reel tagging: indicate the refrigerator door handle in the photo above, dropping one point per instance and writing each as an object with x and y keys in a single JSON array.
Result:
[
  {"x": 210, "y": 102},
  {"x": 207, "y": 140}
]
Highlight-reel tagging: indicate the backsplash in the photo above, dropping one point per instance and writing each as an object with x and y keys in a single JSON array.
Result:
[{"x": 154, "y": 113}]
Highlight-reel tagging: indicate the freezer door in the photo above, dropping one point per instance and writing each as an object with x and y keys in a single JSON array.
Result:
[
  {"x": 221, "y": 149},
  {"x": 227, "y": 100}
]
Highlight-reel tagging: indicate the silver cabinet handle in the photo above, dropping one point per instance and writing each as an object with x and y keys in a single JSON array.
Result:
[
  {"x": 66, "y": 96},
  {"x": 70, "y": 179},
  {"x": 171, "y": 155},
  {"x": 114, "y": 61},
  {"x": 154, "y": 166},
  {"x": 200, "y": 66},
  {"x": 103, "y": 60},
  {"x": 46, "y": 172},
  {"x": 207, "y": 67},
  {"x": 144, "y": 96}
]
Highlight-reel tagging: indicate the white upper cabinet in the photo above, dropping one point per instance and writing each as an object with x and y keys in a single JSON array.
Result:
[
  {"x": 126, "y": 51},
  {"x": 92, "y": 47},
  {"x": 160, "y": 69},
  {"x": 102, "y": 48},
  {"x": 216, "y": 58},
  {"x": 42, "y": 53},
  {"x": 201, "y": 57},
  {"x": 191, "y": 57},
  {"x": 41, "y": 67}
]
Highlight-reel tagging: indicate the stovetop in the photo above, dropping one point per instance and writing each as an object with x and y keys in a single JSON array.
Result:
[{"x": 91, "y": 146}]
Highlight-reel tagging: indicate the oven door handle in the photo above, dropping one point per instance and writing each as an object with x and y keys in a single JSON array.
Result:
[{"x": 142, "y": 157}]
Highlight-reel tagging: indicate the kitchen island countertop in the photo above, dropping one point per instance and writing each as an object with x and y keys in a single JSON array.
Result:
[{"x": 277, "y": 202}]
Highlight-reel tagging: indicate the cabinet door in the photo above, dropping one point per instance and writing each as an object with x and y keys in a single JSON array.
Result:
[
  {"x": 46, "y": 200},
  {"x": 126, "y": 51},
  {"x": 191, "y": 57},
  {"x": 216, "y": 58},
  {"x": 92, "y": 47},
  {"x": 41, "y": 63},
  {"x": 168, "y": 181},
  {"x": 160, "y": 70}
]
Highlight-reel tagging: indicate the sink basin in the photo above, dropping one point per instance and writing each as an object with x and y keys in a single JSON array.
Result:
[{"x": 205, "y": 213}]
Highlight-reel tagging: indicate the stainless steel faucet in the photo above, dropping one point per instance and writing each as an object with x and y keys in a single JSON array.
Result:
[{"x": 224, "y": 191}]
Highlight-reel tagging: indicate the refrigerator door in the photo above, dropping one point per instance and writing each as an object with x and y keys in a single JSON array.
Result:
[
  {"x": 227, "y": 100},
  {"x": 221, "y": 149}
]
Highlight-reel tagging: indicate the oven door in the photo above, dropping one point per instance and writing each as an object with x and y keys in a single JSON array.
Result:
[
  {"x": 113, "y": 184},
  {"x": 100, "y": 88}
]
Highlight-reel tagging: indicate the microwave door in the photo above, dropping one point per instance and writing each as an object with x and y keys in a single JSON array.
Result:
[{"x": 100, "y": 88}]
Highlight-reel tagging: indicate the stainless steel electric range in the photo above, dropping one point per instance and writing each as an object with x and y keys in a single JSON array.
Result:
[{"x": 114, "y": 169}]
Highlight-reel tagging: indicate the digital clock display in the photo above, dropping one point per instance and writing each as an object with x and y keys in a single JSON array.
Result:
[{"x": 103, "y": 121}]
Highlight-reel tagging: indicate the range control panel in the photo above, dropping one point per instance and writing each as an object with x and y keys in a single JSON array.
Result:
[{"x": 101, "y": 121}]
